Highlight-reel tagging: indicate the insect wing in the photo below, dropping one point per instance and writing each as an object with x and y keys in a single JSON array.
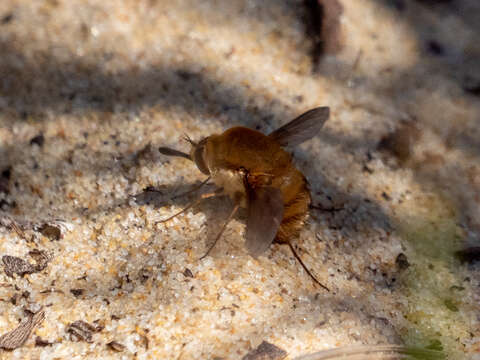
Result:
[
  {"x": 265, "y": 213},
  {"x": 301, "y": 128}
]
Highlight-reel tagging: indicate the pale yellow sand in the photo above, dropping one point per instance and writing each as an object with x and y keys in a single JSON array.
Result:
[{"x": 103, "y": 79}]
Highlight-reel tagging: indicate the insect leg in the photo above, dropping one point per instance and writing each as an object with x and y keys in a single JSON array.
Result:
[
  {"x": 305, "y": 268},
  {"x": 193, "y": 203},
  {"x": 235, "y": 208},
  {"x": 192, "y": 190}
]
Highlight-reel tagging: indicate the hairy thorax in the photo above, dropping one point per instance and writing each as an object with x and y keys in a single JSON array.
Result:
[{"x": 242, "y": 156}]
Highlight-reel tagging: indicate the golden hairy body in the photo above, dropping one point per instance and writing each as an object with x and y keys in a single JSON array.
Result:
[
  {"x": 258, "y": 174},
  {"x": 266, "y": 163}
]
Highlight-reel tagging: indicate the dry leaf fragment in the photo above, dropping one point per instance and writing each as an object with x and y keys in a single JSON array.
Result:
[
  {"x": 16, "y": 265},
  {"x": 17, "y": 337},
  {"x": 56, "y": 229},
  {"x": 266, "y": 351}
]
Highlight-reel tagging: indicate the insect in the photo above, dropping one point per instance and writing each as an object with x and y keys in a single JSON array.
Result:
[{"x": 258, "y": 174}]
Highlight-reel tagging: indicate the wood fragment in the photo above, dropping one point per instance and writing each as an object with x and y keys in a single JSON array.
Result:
[{"x": 18, "y": 336}]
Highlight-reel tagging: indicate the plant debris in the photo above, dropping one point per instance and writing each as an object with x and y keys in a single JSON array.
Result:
[
  {"x": 41, "y": 258},
  {"x": 41, "y": 342},
  {"x": 188, "y": 273},
  {"x": 77, "y": 292},
  {"x": 17, "y": 337},
  {"x": 15, "y": 299},
  {"x": 116, "y": 346},
  {"x": 266, "y": 351},
  {"x": 16, "y": 265},
  {"x": 81, "y": 330},
  {"x": 18, "y": 230},
  {"x": 51, "y": 231}
]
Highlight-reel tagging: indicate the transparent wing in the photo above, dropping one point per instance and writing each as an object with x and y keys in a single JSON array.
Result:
[
  {"x": 265, "y": 213},
  {"x": 301, "y": 128}
]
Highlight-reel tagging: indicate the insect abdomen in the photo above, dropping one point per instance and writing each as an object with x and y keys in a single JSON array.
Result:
[{"x": 295, "y": 214}]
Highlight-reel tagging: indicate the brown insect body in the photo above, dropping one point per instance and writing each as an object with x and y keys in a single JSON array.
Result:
[
  {"x": 241, "y": 154},
  {"x": 257, "y": 173}
]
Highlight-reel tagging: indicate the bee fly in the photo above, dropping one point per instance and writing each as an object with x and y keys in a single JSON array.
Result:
[{"x": 256, "y": 172}]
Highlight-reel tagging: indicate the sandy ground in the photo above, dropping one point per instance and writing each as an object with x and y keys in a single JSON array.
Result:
[{"x": 90, "y": 89}]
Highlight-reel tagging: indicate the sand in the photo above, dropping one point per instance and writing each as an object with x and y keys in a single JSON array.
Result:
[{"x": 90, "y": 89}]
